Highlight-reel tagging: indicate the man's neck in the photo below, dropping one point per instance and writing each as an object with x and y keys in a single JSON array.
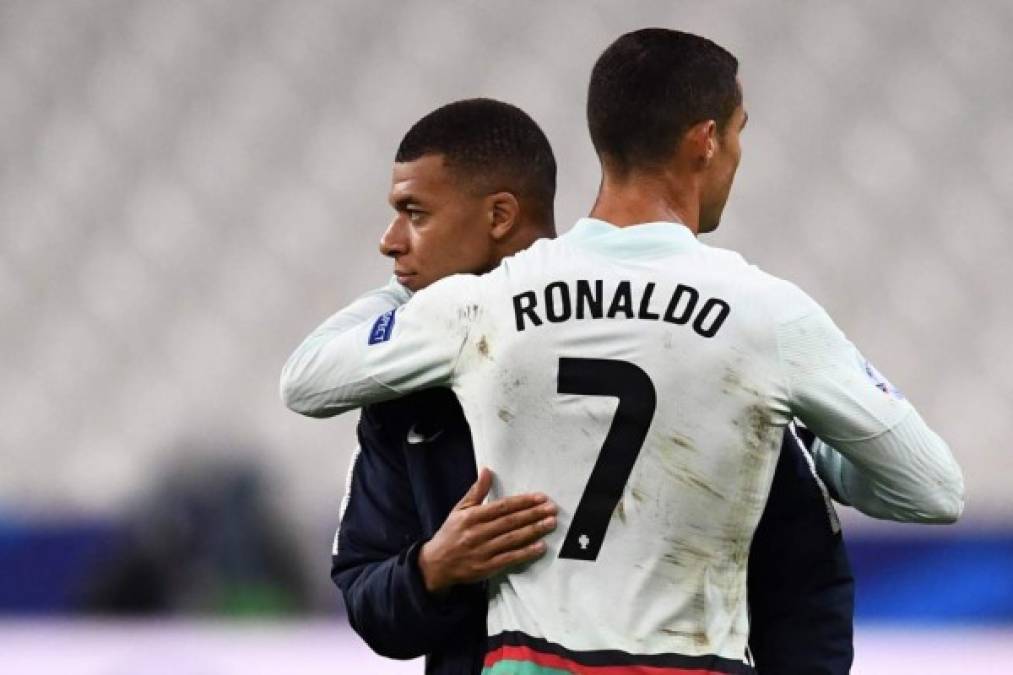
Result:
[{"x": 639, "y": 198}]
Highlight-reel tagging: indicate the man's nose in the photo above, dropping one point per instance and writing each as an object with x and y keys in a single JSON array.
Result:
[{"x": 394, "y": 241}]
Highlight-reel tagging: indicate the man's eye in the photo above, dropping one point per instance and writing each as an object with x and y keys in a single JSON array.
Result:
[{"x": 415, "y": 216}]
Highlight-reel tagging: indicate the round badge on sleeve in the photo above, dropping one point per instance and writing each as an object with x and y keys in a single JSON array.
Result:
[{"x": 881, "y": 382}]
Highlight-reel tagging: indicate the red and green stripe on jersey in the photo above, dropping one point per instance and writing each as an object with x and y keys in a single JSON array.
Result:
[{"x": 515, "y": 653}]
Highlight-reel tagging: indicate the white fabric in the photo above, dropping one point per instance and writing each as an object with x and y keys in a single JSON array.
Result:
[
  {"x": 887, "y": 477},
  {"x": 309, "y": 370}
]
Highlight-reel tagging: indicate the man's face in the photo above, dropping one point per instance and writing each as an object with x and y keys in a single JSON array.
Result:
[
  {"x": 721, "y": 171},
  {"x": 440, "y": 225}
]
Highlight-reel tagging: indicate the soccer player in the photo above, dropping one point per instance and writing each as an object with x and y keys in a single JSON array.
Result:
[
  {"x": 414, "y": 537},
  {"x": 648, "y": 376}
]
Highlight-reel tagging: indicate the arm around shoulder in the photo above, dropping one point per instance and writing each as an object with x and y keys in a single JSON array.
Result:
[
  {"x": 310, "y": 371},
  {"x": 378, "y": 348},
  {"x": 878, "y": 454},
  {"x": 935, "y": 498}
]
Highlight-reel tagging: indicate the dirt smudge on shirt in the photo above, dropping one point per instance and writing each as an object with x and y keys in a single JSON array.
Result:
[
  {"x": 469, "y": 313},
  {"x": 682, "y": 553},
  {"x": 620, "y": 511},
  {"x": 685, "y": 475},
  {"x": 683, "y": 441},
  {"x": 756, "y": 427},
  {"x": 698, "y": 637},
  {"x": 733, "y": 380}
]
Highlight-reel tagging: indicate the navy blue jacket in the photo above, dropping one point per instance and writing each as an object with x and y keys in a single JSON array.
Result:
[{"x": 801, "y": 592}]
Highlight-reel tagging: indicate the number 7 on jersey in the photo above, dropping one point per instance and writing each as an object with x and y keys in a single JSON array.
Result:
[{"x": 626, "y": 435}]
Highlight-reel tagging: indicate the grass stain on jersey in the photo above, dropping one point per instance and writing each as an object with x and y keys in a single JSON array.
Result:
[
  {"x": 757, "y": 427},
  {"x": 683, "y": 554},
  {"x": 698, "y": 638},
  {"x": 697, "y": 482},
  {"x": 469, "y": 313},
  {"x": 690, "y": 478},
  {"x": 683, "y": 441},
  {"x": 732, "y": 378},
  {"x": 620, "y": 512},
  {"x": 516, "y": 384},
  {"x": 505, "y": 415},
  {"x": 483, "y": 347},
  {"x": 739, "y": 551}
]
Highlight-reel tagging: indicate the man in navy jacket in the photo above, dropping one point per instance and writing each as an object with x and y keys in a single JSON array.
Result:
[{"x": 416, "y": 541}]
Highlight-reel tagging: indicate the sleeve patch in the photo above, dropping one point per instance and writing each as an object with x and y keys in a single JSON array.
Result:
[
  {"x": 383, "y": 328},
  {"x": 881, "y": 382}
]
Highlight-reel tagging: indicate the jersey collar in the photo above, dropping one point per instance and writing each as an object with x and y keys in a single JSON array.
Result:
[{"x": 646, "y": 240}]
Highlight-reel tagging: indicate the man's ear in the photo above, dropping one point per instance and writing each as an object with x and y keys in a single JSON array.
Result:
[
  {"x": 701, "y": 140},
  {"x": 504, "y": 214}
]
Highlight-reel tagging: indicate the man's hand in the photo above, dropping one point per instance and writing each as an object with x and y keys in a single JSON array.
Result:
[{"x": 477, "y": 540}]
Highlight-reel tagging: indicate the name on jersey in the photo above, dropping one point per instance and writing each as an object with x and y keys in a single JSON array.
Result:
[{"x": 563, "y": 301}]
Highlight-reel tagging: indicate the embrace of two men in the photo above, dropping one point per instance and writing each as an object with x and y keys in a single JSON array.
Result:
[{"x": 611, "y": 535}]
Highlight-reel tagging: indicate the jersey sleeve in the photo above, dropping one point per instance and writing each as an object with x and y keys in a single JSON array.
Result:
[
  {"x": 380, "y": 347},
  {"x": 878, "y": 454}
]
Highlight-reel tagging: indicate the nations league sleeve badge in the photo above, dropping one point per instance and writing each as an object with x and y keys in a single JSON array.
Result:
[
  {"x": 881, "y": 382},
  {"x": 383, "y": 328}
]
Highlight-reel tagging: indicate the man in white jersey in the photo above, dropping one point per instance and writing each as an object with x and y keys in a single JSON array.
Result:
[{"x": 648, "y": 377}]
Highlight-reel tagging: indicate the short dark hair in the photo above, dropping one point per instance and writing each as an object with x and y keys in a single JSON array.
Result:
[
  {"x": 650, "y": 86},
  {"x": 489, "y": 141}
]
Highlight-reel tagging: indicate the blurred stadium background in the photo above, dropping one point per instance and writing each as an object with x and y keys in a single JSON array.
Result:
[{"x": 188, "y": 187}]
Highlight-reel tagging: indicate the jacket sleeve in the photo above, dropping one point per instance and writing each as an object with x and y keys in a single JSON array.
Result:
[
  {"x": 801, "y": 590},
  {"x": 375, "y": 557}
]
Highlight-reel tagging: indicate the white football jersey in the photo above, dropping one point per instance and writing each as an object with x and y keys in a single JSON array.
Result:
[{"x": 642, "y": 380}]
